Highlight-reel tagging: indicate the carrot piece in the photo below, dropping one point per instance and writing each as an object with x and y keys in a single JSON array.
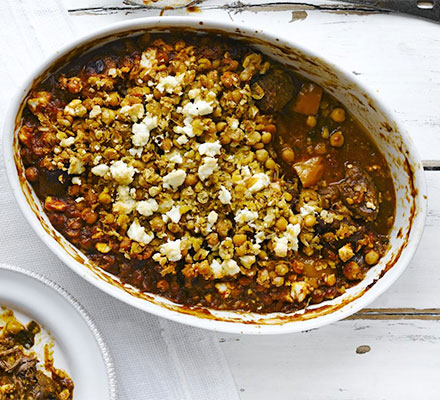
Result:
[{"x": 308, "y": 99}]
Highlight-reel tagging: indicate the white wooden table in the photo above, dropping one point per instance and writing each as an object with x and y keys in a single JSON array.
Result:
[{"x": 391, "y": 350}]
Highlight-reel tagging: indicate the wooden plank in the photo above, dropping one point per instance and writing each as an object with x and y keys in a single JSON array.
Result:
[{"x": 349, "y": 360}]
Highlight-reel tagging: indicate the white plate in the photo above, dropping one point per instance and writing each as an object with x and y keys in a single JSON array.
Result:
[{"x": 78, "y": 346}]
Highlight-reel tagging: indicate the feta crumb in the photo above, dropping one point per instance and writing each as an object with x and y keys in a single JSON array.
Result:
[
  {"x": 223, "y": 289},
  {"x": 175, "y": 157},
  {"x": 95, "y": 111},
  {"x": 76, "y": 180},
  {"x": 174, "y": 179},
  {"x": 122, "y": 173},
  {"x": 134, "y": 112},
  {"x": 100, "y": 170},
  {"x": 307, "y": 209},
  {"x": 216, "y": 269},
  {"x": 147, "y": 207},
  {"x": 245, "y": 215},
  {"x": 125, "y": 203},
  {"x": 259, "y": 182},
  {"x": 248, "y": 261},
  {"x": 169, "y": 83},
  {"x": 79, "y": 199},
  {"x": 212, "y": 217},
  {"x": 193, "y": 93},
  {"x": 370, "y": 205},
  {"x": 67, "y": 141},
  {"x": 224, "y": 195},
  {"x": 210, "y": 149},
  {"x": 299, "y": 290},
  {"x": 171, "y": 250},
  {"x": 174, "y": 214},
  {"x": 141, "y": 131},
  {"x": 75, "y": 108},
  {"x": 137, "y": 232},
  {"x": 76, "y": 166},
  {"x": 148, "y": 59},
  {"x": 199, "y": 107},
  {"x": 182, "y": 140},
  {"x": 136, "y": 152},
  {"x": 207, "y": 168},
  {"x": 326, "y": 216},
  {"x": 288, "y": 241},
  {"x": 230, "y": 267}
]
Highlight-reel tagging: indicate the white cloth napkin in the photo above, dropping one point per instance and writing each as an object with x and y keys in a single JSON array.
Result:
[{"x": 154, "y": 358}]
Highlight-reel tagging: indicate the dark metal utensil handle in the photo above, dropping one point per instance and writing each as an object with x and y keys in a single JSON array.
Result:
[{"x": 424, "y": 9}]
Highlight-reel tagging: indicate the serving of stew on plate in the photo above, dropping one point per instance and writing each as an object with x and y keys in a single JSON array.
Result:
[{"x": 197, "y": 168}]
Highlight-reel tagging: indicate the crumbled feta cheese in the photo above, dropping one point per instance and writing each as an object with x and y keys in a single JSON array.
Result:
[
  {"x": 125, "y": 203},
  {"x": 174, "y": 179},
  {"x": 210, "y": 149},
  {"x": 288, "y": 241},
  {"x": 67, "y": 141},
  {"x": 207, "y": 168},
  {"x": 212, "y": 217},
  {"x": 259, "y": 237},
  {"x": 182, "y": 140},
  {"x": 141, "y": 131},
  {"x": 245, "y": 215},
  {"x": 134, "y": 112},
  {"x": 230, "y": 267},
  {"x": 95, "y": 111},
  {"x": 137, "y": 232},
  {"x": 112, "y": 72},
  {"x": 245, "y": 172},
  {"x": 199, "y": 107},
  {"x": 175, "y": 157},
  {"x": 122, "y": 173},
  {"x": 299, "y": 290},
  {"x": 326, "y": 216},
  {"x": 148, "y": 59},
  {"x": 79, "y": 199},
  {"x": 224, "y": 195},
  {"x": 247, "y": 261},
  {"x": 307, "y": 209},
  {"x": 171, "y": 250},
  {"x": 100, "y": 170},
  {"x": 76, "y": 180},
  {"x": 147, "y": 207},
  {"x": 223, "y": 289},
  {"x": 136, "y": 152},
  {"x": 75, "y": 108},
  {"x": 170, "y": 83},
  {"x": 370, "y": 205},
  {"x": 259, "y": 182},
  {"x": 216, "y": 269},
  {"x": 227, "y": 267},
  {"x": 193, "y": 93},
  {"x": 76, "y": 166},
  {"x": 174, "y": 214}
]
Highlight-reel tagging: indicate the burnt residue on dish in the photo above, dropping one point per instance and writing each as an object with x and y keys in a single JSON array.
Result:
[{"x": 291, "y": 54}]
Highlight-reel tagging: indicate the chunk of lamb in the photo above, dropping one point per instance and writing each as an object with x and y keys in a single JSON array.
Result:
[
  {"x": 278, "y": 88},
  {"x": 359, "y": 192}
]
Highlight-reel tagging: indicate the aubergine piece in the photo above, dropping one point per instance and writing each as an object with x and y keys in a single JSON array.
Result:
[
  {"x": 278, "y": 88},
  {"x": 359, "y": 192}
]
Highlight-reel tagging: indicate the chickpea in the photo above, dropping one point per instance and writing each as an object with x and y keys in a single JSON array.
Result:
[
  {"x": 310, "y": 221},
  {"x": 270, "y": 164},
  {"x": 239, "y": 239},
  {"x": 337, "y": 139},
  {"x": 157, "y": 224},
  {"x": 372, "y": 257},
  {"x": 288, "y": 155},
  {"x": 281, "y": 224},
  {"x": 287, "y": 196},
  {"x": 31, "y": 174},
  {"x": 90, "y": 217},
  {"x": 191, "y": 179},
  {"x": 338, "y": 115},
  {"x": 293, "y": 219},
  {"x": 311, "y": 121},
  {"x": 329, "y": 279},
  {"x": 212, "y": 239},
  {"x": 266, "y": 137},
  {"x": 352, "y": 271},
  {"x": 104, "y": 198},
  {"x": 221, "y": 126},
  {"x": 282, "y": 269},
  {"x": 262, "y": 155}
]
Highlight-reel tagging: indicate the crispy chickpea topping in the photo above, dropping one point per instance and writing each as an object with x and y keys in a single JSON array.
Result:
[{"x": 173, "y": 166}]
